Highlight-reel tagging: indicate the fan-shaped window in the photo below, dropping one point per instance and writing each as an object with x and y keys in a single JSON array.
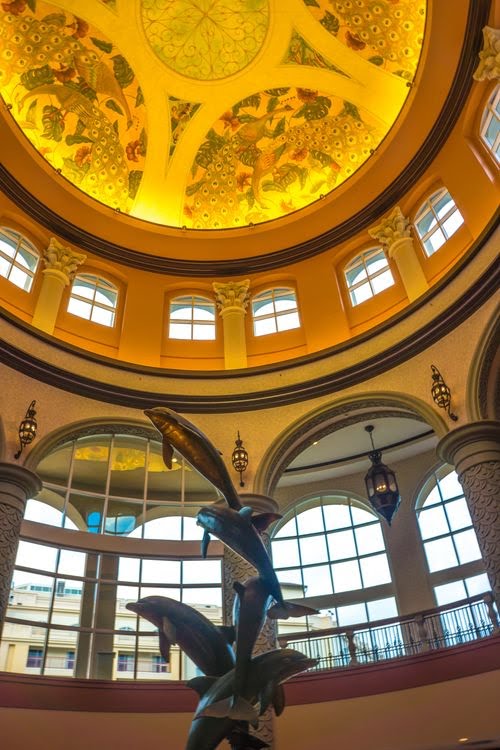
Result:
[
  {"x": 275, "y": 310},
  {"x": 332, "y": 548},
  {"x": 18, "y": 259},
  {"x": 437, "y": 220},
  {"x": 93, "y": 298},
  {"x": 367, "y": 275},
  {"x": 192, "y": 318},
  {"x": 490, "y": 125},
  {"x": 449, "y": 537}
]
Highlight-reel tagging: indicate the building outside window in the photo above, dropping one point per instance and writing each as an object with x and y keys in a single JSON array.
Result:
[
  {"x": 192, "y": 318},
  {"x": 437, "y": 220},
  {"x": 18, "y": 259},
  {"x": 125, "y": 662},
  {"x": 35, "y": 658},
  {"x": 275, "y": 310},
  {"x": 94, "y": 299},
  {"x": 490, "y": 125},
  {"x": 367, "y": 275}
]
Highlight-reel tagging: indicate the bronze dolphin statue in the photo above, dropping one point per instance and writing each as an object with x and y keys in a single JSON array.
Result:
[
  {"x": 266, "y": 673},
  {"x": 238, "y": 530},
  {"x": 205, "y": 644},
  {"x": 190, "y": 442}
]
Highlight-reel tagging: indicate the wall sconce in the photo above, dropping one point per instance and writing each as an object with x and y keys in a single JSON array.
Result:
[
  {"x": 381, "y": 484},
  {"x": 239, "y": 458},
  {"x": 441, "y": 394},
  {"x": 27, "y": 428}
]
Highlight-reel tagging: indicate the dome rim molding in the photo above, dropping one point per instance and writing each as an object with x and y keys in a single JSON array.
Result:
[
  {"x": 477, "y": 17},
  {"x": 450, "y": 317}
]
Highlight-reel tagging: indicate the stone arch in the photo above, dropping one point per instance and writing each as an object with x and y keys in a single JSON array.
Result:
[
  {"x": 483, "y": 383},
  {"x": 334, "y": 416}
]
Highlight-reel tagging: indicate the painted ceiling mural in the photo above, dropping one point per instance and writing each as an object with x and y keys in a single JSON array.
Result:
[{"x": 208, "y": 114}]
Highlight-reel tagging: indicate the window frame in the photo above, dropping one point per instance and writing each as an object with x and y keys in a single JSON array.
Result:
[
  {"x": 100, "y": 284},
  {"x": 21, "y": 244},
  {"x": 361, "y": 260},
  {"x": 193, "y": 322},
  {"x": 438, "y": 225},
  {"x": 269, "y": 296},
  {"x": 490, "y": 111}
]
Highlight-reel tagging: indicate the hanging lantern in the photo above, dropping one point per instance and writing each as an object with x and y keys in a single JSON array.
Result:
[
  {"x": 27, "y": 428},
  {"x": 441, "y": 394},
  {"x": 239, "y": 458},
  {"x": 381, "y": 484}
]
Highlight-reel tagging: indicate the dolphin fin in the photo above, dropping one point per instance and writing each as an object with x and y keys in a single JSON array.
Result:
[
  {"x": 201, "y": 684},
  {"x": 279, "y": 702},
  {"x": 229, "y": 633},
  {"x": 164, "y": 646},
  {"x": 241, "y": 740},
  {"x": 287, "y": 609},
  {"x": 204, "y": 543},
  {"x": 168, "y": 452},
  {"x": 263, "y": 520},
  {"x": 237, "y": 709}
]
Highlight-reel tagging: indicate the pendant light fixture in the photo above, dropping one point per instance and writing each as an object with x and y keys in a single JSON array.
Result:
[
  {"x": 381, "y": 484},
  {"x": 239, "y": 458}
]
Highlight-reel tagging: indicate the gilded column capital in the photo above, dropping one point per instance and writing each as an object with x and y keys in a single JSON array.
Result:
[
  {"x": 489, "y": 57},
  {"x": 58, "y": 257},
  {"x": 231, "y": 294},
  {"x": 393, "y": 227}
]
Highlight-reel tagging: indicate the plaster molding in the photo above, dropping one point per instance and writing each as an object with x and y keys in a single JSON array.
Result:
[
  {"x": 488, "y": 68},
  {"x": 65, "y": 260}
]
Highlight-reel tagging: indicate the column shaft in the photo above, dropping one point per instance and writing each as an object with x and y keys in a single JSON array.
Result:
[
  {"x": 49, "y": 299},
  {"x": 235, "y": 343},
  {"x": 410, "y": 270}
]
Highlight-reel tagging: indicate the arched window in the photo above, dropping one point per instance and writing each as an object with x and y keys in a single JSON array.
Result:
[
  {"x": 331, "y": 546},
  {"x": 490, "y": 125},
  {"x": 437, "y": 220},
  {"x": 449, "y": 538},
  {"x": 275, "y": 310},
  {"x": 192, "y": 318},
  {"x": 367, "y": 275},
  {"x": 93, "y": 298},
  {"x": 18, "y": 258}
]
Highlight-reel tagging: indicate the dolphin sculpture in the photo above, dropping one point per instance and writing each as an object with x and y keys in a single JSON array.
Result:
[
  {"x": 206, "y": 644},
  {"x": 266, "y": 673},
  {"x": 190, "y": 442},
  {"x": 238, "y": 530}
]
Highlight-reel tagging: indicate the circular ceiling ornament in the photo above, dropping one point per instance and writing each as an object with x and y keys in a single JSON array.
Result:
[{"x": 206, "y": 40}]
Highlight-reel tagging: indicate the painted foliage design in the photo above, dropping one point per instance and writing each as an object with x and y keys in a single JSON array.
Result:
[
  {"x": 388, "y": 33},
  {"x": 75, "y": 97},
  {"x": 301, "y": 53},
  {"x": 181, "y": 111},
  {"x": 273, "y": 153}
]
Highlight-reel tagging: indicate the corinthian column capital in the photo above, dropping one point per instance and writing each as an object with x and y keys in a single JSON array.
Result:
[
  {"x": 395, "y": 226},
  {"x": 231, "y": 294},
  {"x": 489, "y": 57},
  {"x": 60, "y": 258}
]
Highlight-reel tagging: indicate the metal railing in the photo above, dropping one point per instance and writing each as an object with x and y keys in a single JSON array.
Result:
[{"x": 442, "y": 627}]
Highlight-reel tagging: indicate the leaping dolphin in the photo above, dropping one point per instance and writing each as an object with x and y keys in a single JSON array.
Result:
[
  {"x": 205, "y": 644},
  {"x": 266, "y": 673},
  {"x": 238, "y": 530},
  {"x": 190, "y": 442}
]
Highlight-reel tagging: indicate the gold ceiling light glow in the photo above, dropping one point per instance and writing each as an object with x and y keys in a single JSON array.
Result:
[
  {"x": 441, "y": 394},
  {"x": 27, "y": 429},
  {"x": 239, "y": 458}
]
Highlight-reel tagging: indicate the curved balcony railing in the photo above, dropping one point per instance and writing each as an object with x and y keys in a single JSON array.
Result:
[{"x": 441, "y": 627}]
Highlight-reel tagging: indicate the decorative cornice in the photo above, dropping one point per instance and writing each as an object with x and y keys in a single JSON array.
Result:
[
  {"x": 451, "y": 110},
  {"x": 401, "y": 351},
  {"x": 489, "y": 57}
]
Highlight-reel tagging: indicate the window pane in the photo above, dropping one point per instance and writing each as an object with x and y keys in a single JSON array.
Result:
[
  {"x": 36, "y": 556},
  {"x": 451, "y": 224},
  {"x": 381, "y": 609},
  {"x": 477, "y": 584},
  {"x": 443, "y": 205},
  {"x": 432, "y": 522},
  {"x": 4, "y": 267},
  {"x": 72, "y": 563},
  {"x": 190, "y": 530},
  {"x": 346, "y": 576},
  {"x": 103, "y": 317},
  {"x": 361, "y": 294},
  {"x": 427, "y": 222},
  {"x": 337, "y": 516},
  {"x": 179, "y": 331},
  {"x": 287, "y": 322},
  {"x": 382, "y": 281},
  {"x": 161, "y": 571},
  {"x": 313, "y": 550},
  {"x": 203, "y": 332},
  {"x": 458, "y": 514},
  {"x": 209, "y": 597},
  {"x": 265, "y": 326},
  {"x": 351, "y": 614},
  {"x": 310, "y": 521},
  {"x": 77, "y": 307},
  {"x": 288, "y": 529},
  {"x": 83, "y": 288},
  {"x": 362, "y": 516},
  {"x": 285, "y": 554},
  {"x": 42, "y": 513},
  {"x": 201, "y": 571},
  {"x": 341, "y": 545},
  {"x": 434, "y": 242},
  {"x": 440, "y": 554},
  {"x": 20, "y": 278},
  {"x": 450, "y": 592},
  {"x": 180, "y": 312},
  {"x": 450, "y": 486},
  {"x": 317, "y": 581},
  {"x": 467, "y": 546},
  {"x": 375, "y": 570},
  {"x": 292, "y": 577},
  {"x": 128, "y": 569},
  {"x": 369, "y": 539}
]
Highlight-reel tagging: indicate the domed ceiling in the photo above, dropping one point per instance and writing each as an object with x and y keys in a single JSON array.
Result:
[{"x": 208, "y": 114}]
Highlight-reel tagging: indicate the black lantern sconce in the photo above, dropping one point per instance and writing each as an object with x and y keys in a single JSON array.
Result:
[
  {"x": 381, "y": 484},
  {"x": 239, "y": 458},
  {"x": 441, "y": 394},
  {"x": 27, "y": 428}
]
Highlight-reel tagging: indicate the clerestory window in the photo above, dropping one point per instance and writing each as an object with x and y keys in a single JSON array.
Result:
[
  {"x": 437, "y": 220},
  {"x": 367, "y": 275},
  {"x": 94, "y": 299},
  {"x": 192, "y": 318},
  {"x": 18, "y": 259},
  {"x": 490, "y": 125},
  {"x": 275, "y": 310}
]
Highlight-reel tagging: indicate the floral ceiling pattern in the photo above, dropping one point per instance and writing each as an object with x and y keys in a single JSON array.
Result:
[{"x": 208, "y": 114}]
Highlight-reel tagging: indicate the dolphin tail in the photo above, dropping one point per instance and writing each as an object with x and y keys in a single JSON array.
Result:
[
  {"x": 284, "y": 610},
  {"x": 237, "y": 709},
  {"x": 204, "y": 544}
]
